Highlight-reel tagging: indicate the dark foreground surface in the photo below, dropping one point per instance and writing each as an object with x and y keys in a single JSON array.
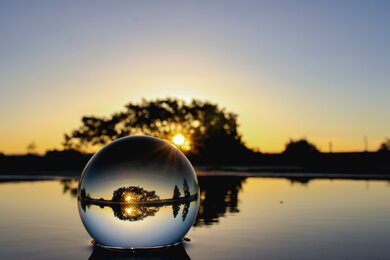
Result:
[{"x": 240, "y": 218}]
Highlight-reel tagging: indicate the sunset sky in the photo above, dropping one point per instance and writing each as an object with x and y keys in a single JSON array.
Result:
[{"x": 289, "y": 69}]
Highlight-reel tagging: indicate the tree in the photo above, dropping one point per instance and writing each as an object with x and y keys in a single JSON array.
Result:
[
  {"x": 31, "y": 148},
  {"x": 385, "y": 146},
  {"x": 209, "y": 128},
  {"x": 83, "y": 194},
  {"x": 300, "y": 147},
  {"x": 176, "y": 193},
  {"x": 133, "y": 193},
  {"x": 186, "y": 189}
]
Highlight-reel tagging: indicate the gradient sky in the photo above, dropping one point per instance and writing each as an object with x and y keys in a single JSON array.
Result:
[{"x": 290, "y": 69}]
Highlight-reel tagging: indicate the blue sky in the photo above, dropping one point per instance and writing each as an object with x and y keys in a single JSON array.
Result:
[{"x": 290, "y": 69}]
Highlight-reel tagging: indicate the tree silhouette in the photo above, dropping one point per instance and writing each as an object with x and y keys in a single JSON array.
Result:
[
  {"x": 135, "y": 193},
  {"x": 385, "y": 146},
  {"x": 31, "y": 148},
  {"x": 186, "y": 189},
  {"x": 83, "y": 194},
  {"x": 208, "y": 127},
  {"x": 300, "y": 147},
  {"x": 176, "y": 193}
]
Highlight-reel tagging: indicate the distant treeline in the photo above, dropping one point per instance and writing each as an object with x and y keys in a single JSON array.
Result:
[
  {"x": 52, "y": 161},
  {"x": 354, "y": 162}
]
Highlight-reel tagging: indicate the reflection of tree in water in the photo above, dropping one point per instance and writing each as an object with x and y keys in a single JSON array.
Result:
[
  {"x": 70, "y": 186},
  {"x": 185, "y": 211},
  {"x": 175, "y": 210},
  {"x": 134, "y": 212},
  {"x": 300, "y": 180},
  {"x": 123, "y": 211},
  {"x": 219, "y": 194}
]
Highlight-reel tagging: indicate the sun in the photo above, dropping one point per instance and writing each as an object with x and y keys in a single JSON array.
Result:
[
  {"x": 181, "y": 142},
  {"x": 128, "y": 198},
  {"x": 178, "y": 139}
]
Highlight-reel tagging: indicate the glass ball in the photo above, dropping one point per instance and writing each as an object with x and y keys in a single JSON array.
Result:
[{"x": 138, "y": 192}]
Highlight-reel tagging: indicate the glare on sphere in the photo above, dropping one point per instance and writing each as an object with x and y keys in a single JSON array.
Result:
[{"x": 138, "y": 192}]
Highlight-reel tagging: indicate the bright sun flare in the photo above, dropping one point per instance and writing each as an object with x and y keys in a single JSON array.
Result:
[
  {"x": 181, "y": 142},
  {"x": 179, "y": 139}
]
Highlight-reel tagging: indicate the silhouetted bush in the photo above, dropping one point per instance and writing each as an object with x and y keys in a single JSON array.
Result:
[
  {"x": 300, "y": 147},
  {"x": 385, "y": 146}
]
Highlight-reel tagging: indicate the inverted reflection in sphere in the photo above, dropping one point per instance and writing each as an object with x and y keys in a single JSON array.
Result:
[{"x": 138, "y": 192}]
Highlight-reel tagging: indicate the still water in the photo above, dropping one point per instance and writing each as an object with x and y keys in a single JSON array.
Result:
[{"x": 239, "y": 218}]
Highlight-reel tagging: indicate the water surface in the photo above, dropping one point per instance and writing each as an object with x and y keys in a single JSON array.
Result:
[{"x": 239, "y": 217}]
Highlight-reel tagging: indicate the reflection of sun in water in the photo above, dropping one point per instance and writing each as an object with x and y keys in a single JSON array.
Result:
[
  {"x": 181, "y": 142},
  {"x": 128, "y": 210}
]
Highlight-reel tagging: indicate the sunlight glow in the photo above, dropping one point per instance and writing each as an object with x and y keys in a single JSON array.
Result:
[
  {"x": 178, "y": 139},
  {"x": 181, "y": 142},
  {"x": 129, "y": 210},
  {"x": 128, "y": 198}
]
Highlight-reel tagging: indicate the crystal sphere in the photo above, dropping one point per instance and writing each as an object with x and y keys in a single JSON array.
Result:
[{"x": 138, "y": 192}]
